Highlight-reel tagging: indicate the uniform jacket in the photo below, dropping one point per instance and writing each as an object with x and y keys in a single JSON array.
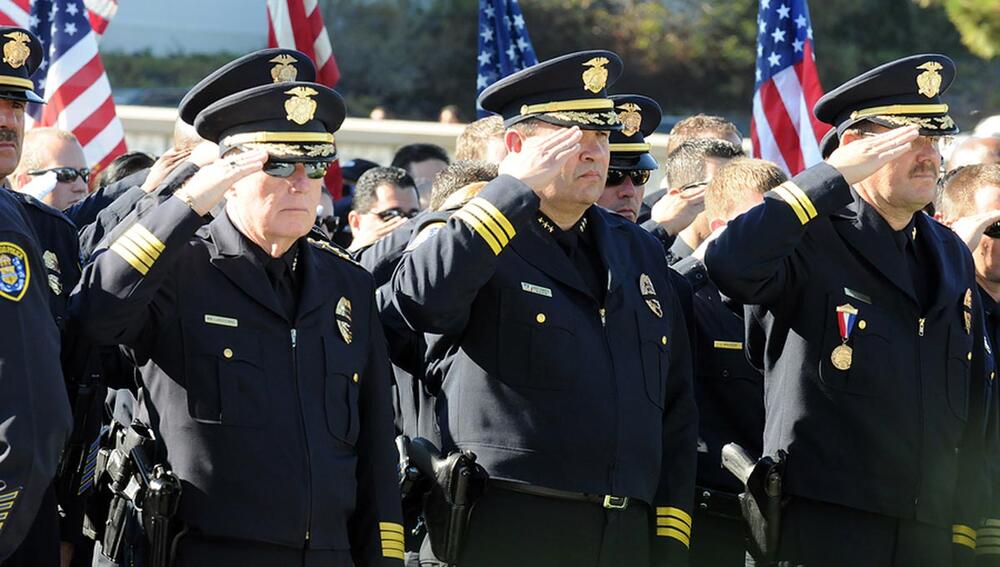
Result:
[
  {"x": 546, "y": 383},
  {"x": 280, "y": 430},
  {"x": 34, "y": 411},
  {"x": 900, "y": 431}
]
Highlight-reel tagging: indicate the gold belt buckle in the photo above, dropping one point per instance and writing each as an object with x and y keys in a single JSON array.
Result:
[{"x": 615, "y": 502}]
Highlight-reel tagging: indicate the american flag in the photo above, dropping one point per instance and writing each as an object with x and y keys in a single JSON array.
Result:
[
  {"x": 71, "y": 76},
  {"x": 298, "y": 24},
  {"x": 504, "y": 45},
  {"x": 100, "y": 13},
  {"x": 784, "y": 129}
]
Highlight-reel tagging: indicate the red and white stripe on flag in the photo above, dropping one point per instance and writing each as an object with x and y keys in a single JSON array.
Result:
[
  {"x": 298, "y": 24},
  {"x": 77, "y": 93},
  {"x": 100, "y": 12},
  {"x": 783, "y": 128}
]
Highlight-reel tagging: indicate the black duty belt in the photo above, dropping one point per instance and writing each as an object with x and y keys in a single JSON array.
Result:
[
  {"x": 608, "y": 501},
  {"x": 718, "y": 503}
]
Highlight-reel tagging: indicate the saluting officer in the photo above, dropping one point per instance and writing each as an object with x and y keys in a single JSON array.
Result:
[
  {"x": 262, "y": 356},
  {"x": 874, "y": 362},
  {"x": 34, "y": 409},
  {"x": 569, "y": 372}
]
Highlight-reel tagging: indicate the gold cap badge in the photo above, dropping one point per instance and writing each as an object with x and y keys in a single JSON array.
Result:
[
  {"x": 929, "y": 82},
  {"x": 630, "y": 118},
  {"x": 596, "y": 77},
  {"x": 284, "y": 71},
  {"x": 16, "y": 51},
  {"x": 649, "y": 295},
  {"x": 343, "y": 316},
  {"x": 300, "y": 108}
]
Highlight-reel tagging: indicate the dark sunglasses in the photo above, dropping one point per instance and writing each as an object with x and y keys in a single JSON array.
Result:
[
  {"x": 65, "y": 174},
  {"x": 314, "y": 169},
  {"x": 993, "y": 231},
  {"x": 396, "y": 212},
  {"x": 617, "y": 176}
]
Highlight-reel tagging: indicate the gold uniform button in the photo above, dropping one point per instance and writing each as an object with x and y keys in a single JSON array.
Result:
[
  {"x": 228, "y": 353},
  {"x": 969, "y": 356},
  {"x": 355, "y": 377},
  {"x": 862, "y": 324},
  {"x": 540, "y": 317},
  {"x": 663, "y": 340}
]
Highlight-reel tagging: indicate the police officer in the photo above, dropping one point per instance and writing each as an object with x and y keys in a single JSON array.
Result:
[
  {"x": 35, "y": 411},
  {"x": 875, "y": 364},
  {"x": 570, "y": 373},
  {"x": 264, "y": 364}
]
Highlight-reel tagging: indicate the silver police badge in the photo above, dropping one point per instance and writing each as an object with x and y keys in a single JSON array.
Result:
[
  {"x": 343, "y": 317},
  {"x": 649, "y": 295}
]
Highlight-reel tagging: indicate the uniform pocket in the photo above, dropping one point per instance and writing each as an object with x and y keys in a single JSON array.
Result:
[
  {"x": 653, "y": 347},
  {"x": 341, "y": 393},
  {"x": 226, "y": 384},
  {"x": 959, "y": 370},
  {"x": 536, "y": 342},
  {"x": 870, "y": 371}
]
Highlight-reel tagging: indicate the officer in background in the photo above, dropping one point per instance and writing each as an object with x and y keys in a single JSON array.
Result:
[
  {"x": 875, "y": 364},
  {"x": 264, "y": 365},
  {"x": 570, "y": 373},
  {"x": 34, "y": 409}
]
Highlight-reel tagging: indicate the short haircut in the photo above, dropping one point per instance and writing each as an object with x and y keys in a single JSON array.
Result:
[
  {"x": 686, "y": 164},
  {"x": 527, "y": 126},
  {"x": 739, "y": 179},
  {"x": 458, "y": 175},
  {"x": 365, "y": 194},
  {"x": 473, "y": 140},
  {"x": 697, "y": 126},
  {"x": 412, "y": 153},
  {"x": 957, "y": 193},
  {"x": 34, "y": 139},
  {"x": 123, "y": 166}
]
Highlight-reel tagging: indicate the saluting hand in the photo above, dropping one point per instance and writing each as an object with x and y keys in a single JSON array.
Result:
[
  {"x": 540, "y": 158},
  {"x": 971, "y": 228},
  {"x": 861, "y": 158},
  {"x": 206, "y": 188}
]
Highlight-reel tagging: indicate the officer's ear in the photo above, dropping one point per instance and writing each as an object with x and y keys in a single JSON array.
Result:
[
  {"x": 354, "y": 221},
  {"x": 513, "y": 141},
  {"x": 716, "y": 224}
]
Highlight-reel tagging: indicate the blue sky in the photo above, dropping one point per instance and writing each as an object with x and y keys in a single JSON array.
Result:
[{"x": 187, "y": 26}]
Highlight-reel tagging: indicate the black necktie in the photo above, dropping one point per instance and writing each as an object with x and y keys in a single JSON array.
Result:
[{"x": 283, "y": 283}]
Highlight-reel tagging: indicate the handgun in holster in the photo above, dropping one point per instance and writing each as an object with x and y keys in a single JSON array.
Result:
[
  {"x": 456, "y": 482},
  {"x": 144, "y": 501},
  {"x": 762, "y": 501}
]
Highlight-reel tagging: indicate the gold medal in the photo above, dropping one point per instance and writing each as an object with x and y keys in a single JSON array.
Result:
[{"x": 842, "y": 357}]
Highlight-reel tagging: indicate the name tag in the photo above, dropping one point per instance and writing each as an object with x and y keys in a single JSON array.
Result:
[
  {"x": 729, "y": 345},
  {"x": 219, "y": 320},
  {"x": 536, "y": 289}
]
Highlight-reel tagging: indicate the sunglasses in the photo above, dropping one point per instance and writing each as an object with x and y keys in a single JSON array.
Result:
[
  {"x": 314, "y": 169},
  {"x": 993, "y": 231},
  {"x": 617, "y": 176},
  {"x": 395, "y": 213},
  {"x": 65, "y": 174}
]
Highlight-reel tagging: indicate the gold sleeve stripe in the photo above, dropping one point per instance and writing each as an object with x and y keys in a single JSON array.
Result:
[
  {"x": 964, "y": 530},
  {"x": 392, "y": 545},
  {"x": 143, "y": 233},
  {"x": 9, "y": 496},
  {"x": 496, "y": 214},
  {"x": 670, "y": 532},
  {"x": 675, "y": 512},
  {"x": 804, "y": 200},
  {"x": 136, "y": 250},
  {"x": 963, "y": 535},
  {"x": 990, "y": 523},
  {"x": 477, "y": 226},
  {"x": 130, "y": 258},
  {"x": 391, "y": 536},
  {"x": 393, "y": 553},
  {"x": 391, "y": 527},
  {"x": 671, "y": 522},
  {"x": 7, "y": 505},
  {"x": 489, "y": 223},
  {"x": 792, "y": 202}
]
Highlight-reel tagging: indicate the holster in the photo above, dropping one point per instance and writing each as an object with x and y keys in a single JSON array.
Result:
[
  {"x": 762, "y": 502},
  {"x": 456, "y": 483}
]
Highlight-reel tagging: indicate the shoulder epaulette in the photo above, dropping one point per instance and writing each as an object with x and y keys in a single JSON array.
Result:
[{"x": 335, "y": 250}]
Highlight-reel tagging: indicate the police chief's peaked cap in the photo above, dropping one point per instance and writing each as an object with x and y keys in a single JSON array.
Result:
[
  {"x": 267, "y": 66},
  {"x": 570, "y": 90},
  {"x": 639, "y": 117},
  {"x": 292, "y": 121},
  {"x": 22, "y": 54},
  {"x": 899, "y": 93}
]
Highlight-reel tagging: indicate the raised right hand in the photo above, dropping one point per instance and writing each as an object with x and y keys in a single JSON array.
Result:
[
  {"x": 861, "y": 158},
  {"x": 542, "y": 157},
  {"x": 206, "y": 188}
]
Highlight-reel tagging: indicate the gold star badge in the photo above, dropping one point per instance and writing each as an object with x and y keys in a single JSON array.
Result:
[
  {"x": 300, "y": 108},
  {"x": 16, "y": 51},
  {"x": 284, "y": 71},
  {"x": 596, "y": 77},
  {"x": 929, "y": 82},
  {"x": 630, "y": 118}
]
